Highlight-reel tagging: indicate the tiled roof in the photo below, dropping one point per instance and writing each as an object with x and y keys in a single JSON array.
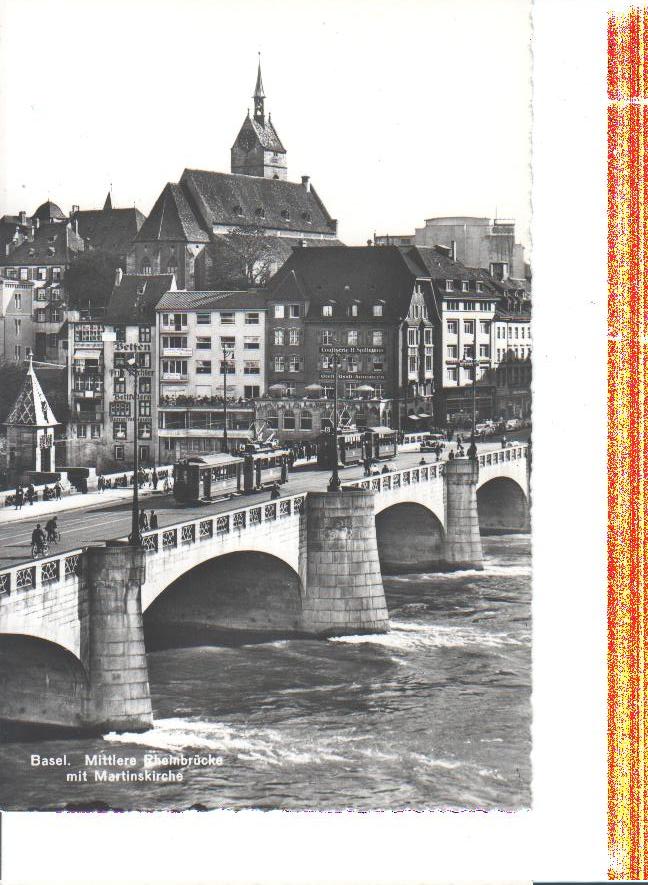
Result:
[
  {"x": 346, "y": 274},
  {"x": 267, "y": 135},
  {"x": 31, "y": 408},
  {"x": 49, "y": 211},
  {"x": 135, "y": 299},
  {"x": 52, "y": 244},
  {"x": 111, "y": 229},
  {"x": 239, "y": 200},
  {"x": 182, "y": 299},
  {"x": 172, "y": 219},
  {"x": 440, "y": 266}
]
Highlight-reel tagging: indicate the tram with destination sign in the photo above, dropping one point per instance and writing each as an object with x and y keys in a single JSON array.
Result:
[
  {"x": 350, "y": 448},
  {"x": 205, "y": 477},
  {"x": 381, "y": 443},
  {"x": 264, "y": 466}
]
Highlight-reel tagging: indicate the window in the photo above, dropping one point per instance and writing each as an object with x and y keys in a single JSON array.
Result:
[
  {"x": 449, "y": 285},
  {"x": 306, "y": 420},
  {"x": 18, "y": 301},
  {"x": 510, "y": 331},
  {"x": 279, "y": 364},
  {"x": 174, "y": 367},
  {"x": 144, "y": 408},
  {"x": 293, "y": 311},
  {"x": 203, "y": 318},
  {"x": 289, "y": 420},
  {"x": 328, "y": 362},
  {"x": 145, "y": 334},
  {"x": 24, "y": 273},
  {"x": 352, "y": 337},
  {"x": 377, "y": 310},
  {"x": 250, "y": 343},
  {"x": 174, "y": 341},
  {"x": 144, "y": 385},
  {"x": 480, "y": 287},
  {"x": 428, "y": 337},
  {"x": 485, "y": 306},
  {"x": 353, "y": 310},
  {"x": 484, "y": 350},
  {"x": 252, "y": 367},
  {"x": 203, "y": 343},
  {"x": 294, "y": 337},
  {"x": 428, "y": 362},
  {"x": 352, "y": 364},
  {"x": 451, "y": 373},
  {"x": 412, "y": 364},
  {"x": 468, "y": 351},
  {"x": 251, "y": 391},
  {"x": 273, "y": 421},
  {"x": 350, "y": 388},
  {"x": 252, "y": 319},
  {"x": 227, "y": 317},
  {"x": 119, "y": 453},
  {"x": 469, "y": 327},
  {"x": 120, "y": 409},
  {"x": 411, "y": 337},
  {"x": 17, "y": 324},
  {"x": 522, "y": 330},
  {"x": 120, "y": 429},
  {"x": 452, "y": 304},
  {"x": 175, "y": 320},
  {"x": 294, "y": 364},
  {"x": 377, "y": 363},
  {"x": 452, "y": 327},
  {"x": 144, "y": 429},
  {"x": 146, "y": 267},
  {"x": 328, "y": 337},
  {"x": 278, "y": 337},
  {"x": 516, "y": 331},
  {"x": 484, "y": 327},
  {"x": 465, "y": 286},
  {"x": 41, "y": 274},
  {"x": 377, "y": 338},
  {"x": 259, "y": 212},
  {"x": 227, "y": 342},
  {"x": 278, "y": 311},
  {"x": 470, "y": 305},
  {"x": 327, "y": 393},
  {"x": 119, "y": 385},
  {"x": 227, "y": 367},
  {"x": 327, "y": 310},
  {"x": 452, "y": 351}
]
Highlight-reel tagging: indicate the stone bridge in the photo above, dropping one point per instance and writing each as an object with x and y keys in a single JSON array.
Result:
[{"x": 74, "y": 628}]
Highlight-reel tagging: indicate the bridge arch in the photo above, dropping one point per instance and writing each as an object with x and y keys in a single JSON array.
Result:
[
  {"x": 410, "y": 538},
  {"x": 238, "y": 596},
  {"x": 502, "y": 506},
  {"x": 39, "y": 681}
]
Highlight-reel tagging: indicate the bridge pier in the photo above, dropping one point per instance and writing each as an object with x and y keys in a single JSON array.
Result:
[
  {"x": 343, "y": 589},
  {"x": 112, "y": 643},
  {"x": 463, "y": 548}
]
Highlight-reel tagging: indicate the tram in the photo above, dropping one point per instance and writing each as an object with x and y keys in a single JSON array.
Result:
[
  {"x": 381, "y": 443},
  {"x": 204, "y": 477},
  {"x": 264, "y": 465},
  {"x": 350, "y": 448}
]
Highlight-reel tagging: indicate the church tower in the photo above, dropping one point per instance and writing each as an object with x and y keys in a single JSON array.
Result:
[{"x": 257, "y": 149}]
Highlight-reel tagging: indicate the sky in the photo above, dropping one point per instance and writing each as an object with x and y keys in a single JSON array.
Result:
[{"x": 398, "y": 111}]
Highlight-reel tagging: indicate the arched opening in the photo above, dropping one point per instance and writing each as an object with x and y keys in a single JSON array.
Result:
[
  {"x": 240, "y": 597},
  {"x": 502, "y": 507},
  {"x": 410, "y": 539},
  {"x": 42, "y": 688}
]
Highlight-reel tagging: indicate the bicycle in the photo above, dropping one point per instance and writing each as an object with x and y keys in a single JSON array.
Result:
[
  {"x": 40, "y": 549},
  {"x": 53, "y": 538}
]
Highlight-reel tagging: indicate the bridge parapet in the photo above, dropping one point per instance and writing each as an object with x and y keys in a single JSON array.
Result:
[{"x": 396, "y": 479}]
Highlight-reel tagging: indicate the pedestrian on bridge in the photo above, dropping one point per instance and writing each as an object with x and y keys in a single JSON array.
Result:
[
  {"x": 154, "y": 480},
  {"x": 101, "y": 483},
  {"x": 153, "y": 520},
  {"x": 19, "y": 497},
  {"x": 57, "y": 490},
  {"x": 143, "y": 521}
]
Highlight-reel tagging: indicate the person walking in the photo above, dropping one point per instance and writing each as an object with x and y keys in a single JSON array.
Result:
[
  {"x": 38, "y": 539},
  {"x": 503, "y": 441},
  {"x": 19, "y": 497},
  {"x": 31, "y": 491},
  {"x": 275, "y": 492},
  {"x": 153, "y": 520},
  {"x": 100, "y": 484},
  {"x": 143, "y": 521},
  {"x": 155, "y": 479},
  {"x": 57, "y": 490}
]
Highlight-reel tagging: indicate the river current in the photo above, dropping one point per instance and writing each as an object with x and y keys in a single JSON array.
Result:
[{"x": 435, "y": 714}]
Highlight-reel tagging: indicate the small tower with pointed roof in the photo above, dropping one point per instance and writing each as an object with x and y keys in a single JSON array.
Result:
[
  {"x": 30, "y": 430},
  {"x": 258, "y": 149}
]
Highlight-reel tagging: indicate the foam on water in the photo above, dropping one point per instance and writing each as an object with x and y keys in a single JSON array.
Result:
[{"x": 406, "y": 636}]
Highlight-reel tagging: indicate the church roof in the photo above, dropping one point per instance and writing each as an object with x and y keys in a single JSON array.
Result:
[
  {"x": 134, "y": 300},
  {"x": 31, "y": 408},
  {"x": 267, "y": 135},
  {"x": 111, "y": 229},
  {"x": 172, "y": 219},
  {"x": 248, "y": 200},
  {"x": 49, "y": 211}
]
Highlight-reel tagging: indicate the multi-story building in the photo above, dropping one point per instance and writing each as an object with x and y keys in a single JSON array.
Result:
[
  {"x": 103, "y": 428},
  {"x": 211, "y": 347},
  {"x": 17, "y": 301},
  {"x": 514, "y": 345},
  {"x": 112, "y": 230},
  {"x": 186, "y": 230},
  {"x": 372, "y": 311}
]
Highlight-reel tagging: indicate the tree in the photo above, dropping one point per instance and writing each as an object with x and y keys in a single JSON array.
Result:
[
  {"x": 243, "y": 258},
  {"x": 89, "y": 280}
]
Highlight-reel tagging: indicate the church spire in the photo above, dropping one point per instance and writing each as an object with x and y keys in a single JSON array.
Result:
[
  {"x": 259, "y": 96},
  {"x": 108, "y": 203}
]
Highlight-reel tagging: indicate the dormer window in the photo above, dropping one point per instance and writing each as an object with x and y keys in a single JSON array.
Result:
[
  {"x": 480, "y": 287},
  {"x": 449, "y": 285},
  {"x": 377, "y": 310},
  {"x": 32, "y": 252},
  {"x": 353, "y": 309},
  {"x": 146, "y": 267},
  {"x": 260, "y": 212},
  {"x": 327, "y": 310},
  {"x": 465, "y": 286},
  {"x": 285, "y": 214},
  {"x": 306, "y": 216},
  {"x": 237, "y": 210}
]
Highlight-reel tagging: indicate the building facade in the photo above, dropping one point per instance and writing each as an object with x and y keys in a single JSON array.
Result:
[
  {"x": 211, "y": 367},
  {"x": 514, "y": 347}
]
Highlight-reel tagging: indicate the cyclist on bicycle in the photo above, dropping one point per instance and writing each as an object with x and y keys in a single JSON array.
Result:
[
  {"x": 38, "y": 539},
  {"x": 52, "y": 530}
]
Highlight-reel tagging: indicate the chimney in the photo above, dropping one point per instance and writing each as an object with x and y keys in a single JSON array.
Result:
[
  {"x": 36, "y": 223},
  {"x": 306, "y": 182},
  {"x": 75, "y": 209},
  {"x": 76, "y": 226},
  {"x": 119, "y": 273},
  {"x": 453, "y": 250},
  {"x": 23, "y": 216}
]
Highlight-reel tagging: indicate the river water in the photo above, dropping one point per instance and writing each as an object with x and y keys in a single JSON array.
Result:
[{"x": 435, "y": 714}]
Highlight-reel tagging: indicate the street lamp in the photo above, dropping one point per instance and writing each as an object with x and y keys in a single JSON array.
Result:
[
  {"x": 228, "y": 353},
  {"x": 135, "y": 535},
  {"x": 334, "y": 482},
  {"x": 472, "y": 448}
]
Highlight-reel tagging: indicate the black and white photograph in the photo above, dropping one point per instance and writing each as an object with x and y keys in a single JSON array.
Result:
[{"x": 266, "y": 406}]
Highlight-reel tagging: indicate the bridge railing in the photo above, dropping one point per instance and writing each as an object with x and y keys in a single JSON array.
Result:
[
  {"x": 50, "y": 571},
  {"x": 501, "y": 456},
  {"x": 220, "y": 525},
  {"x": 396, "y": 479}
]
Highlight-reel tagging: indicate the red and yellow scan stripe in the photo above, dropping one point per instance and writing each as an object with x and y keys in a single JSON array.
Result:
[{"x": 627, "y": 370}]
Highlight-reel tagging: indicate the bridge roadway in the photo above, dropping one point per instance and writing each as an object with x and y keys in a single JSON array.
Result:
[{"x": 100, "y": 522}]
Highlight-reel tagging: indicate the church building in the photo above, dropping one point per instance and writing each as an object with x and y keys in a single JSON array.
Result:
[{"x": 189, "y": 229}]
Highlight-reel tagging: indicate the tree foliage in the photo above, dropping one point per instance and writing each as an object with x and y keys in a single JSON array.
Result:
[
  {"x": 242, "y": 258},
  {"x": 89, "y": 280}
]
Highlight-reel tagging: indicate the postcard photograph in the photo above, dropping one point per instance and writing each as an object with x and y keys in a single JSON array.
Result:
[{"x": 302, "y": 580}]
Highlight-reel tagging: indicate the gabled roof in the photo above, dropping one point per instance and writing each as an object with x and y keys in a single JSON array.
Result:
[
  {"x": 267, "y": 135},
  {"x": 230, "y": 199},
  {"x": 183, "y": 299},
  {"x": 111, "y": 229},
  {"x": 135, "y": 298},
  {"x": 52, "y": 244},
  {"x": 172, "y": 219},
  {"x": 341, "y": 275},
  {"x": 31, "y": 408}
]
